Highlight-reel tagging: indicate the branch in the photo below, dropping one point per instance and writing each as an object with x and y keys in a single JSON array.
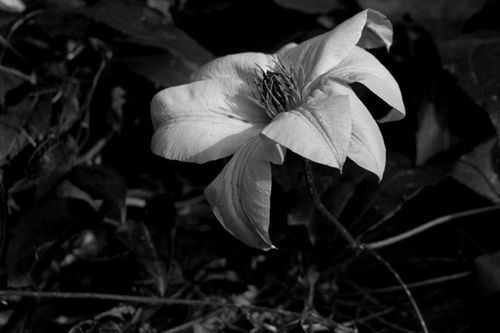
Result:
[
  {"x": 426, "y": 226},
  {"x": 159, "y": 301},
  {"x": 403, "y": 285},
  {"x": 351, "y": 241}
]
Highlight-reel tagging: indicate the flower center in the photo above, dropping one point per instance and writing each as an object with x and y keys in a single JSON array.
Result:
[{"x": 277, "y": 90}]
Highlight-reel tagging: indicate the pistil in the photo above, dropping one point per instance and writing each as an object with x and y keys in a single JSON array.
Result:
[{"x": 277, "y": 90}]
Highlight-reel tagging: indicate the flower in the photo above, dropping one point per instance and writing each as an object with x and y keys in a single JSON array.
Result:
[{"x": 255, "y": 106}]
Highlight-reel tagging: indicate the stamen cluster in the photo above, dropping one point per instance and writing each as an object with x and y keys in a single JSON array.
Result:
[{"x": 277, "y": 90}]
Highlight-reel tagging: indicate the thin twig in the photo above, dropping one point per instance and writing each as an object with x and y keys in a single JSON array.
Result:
[
  {"x": 403, "y": 285},
  {"x": 424, "y": 283},
  {"x": 351, "y": 241},
  {"x": 17, "y": 73},
  {"x": 157, "y": 301},
  {"x": 354, "y": 244},
  {"x": 426, "y": 226}
]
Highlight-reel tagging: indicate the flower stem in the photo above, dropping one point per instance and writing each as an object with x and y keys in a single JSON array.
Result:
[
  {"x": 426, "y": 226},
  {"x": 313, "y": 190},
  {"x": 356, "y": 245}
]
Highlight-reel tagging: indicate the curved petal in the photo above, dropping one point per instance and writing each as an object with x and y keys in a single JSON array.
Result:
[
  {"x": 204, "y": 120},
  {"x": 318, "y": 55},
  {"x": 361, "y": 66},
  {"x": 241, "y": 65},
  {"x": 367, "y": 147},
  {"x": 320, "y": 130},
  {"x": 240, "y": 195}
]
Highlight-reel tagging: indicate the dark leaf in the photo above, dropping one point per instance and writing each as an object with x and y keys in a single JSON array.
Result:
[
  {"x": 147, "y": 26},
  {"x": 473, "y": 60},
  {"x": 3, "y": 221},
  {"x": 50, "y": 161},
  {"x": 443, "y": 18},
  {"x": 310, "y": 7},
  {"x": 487, "y": 269},
  {"x": 21, "y": 126},
  {"x": 163, "y": 69},
  {"x": 433, "y": 134},
  {"x": 402, "y": 182},
  {"x": 478, "y": 170},
  {"x": 103, "y": 183},
  {"x": 40, "y": 233},
  {"x": 117, "y": 319},
  {"x": 137, "y": 237}
]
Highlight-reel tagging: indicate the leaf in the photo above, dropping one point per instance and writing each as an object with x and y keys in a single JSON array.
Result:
[
  {"x": 402, "y": 182},
  {"x": 442, "y": 18},
  {"x": 104, "y": 183},
  {"x": 149, "y": 27},
  {"x": 163, "y": 69},
  {"x": 118, "y": 319},
  {"x": 487, "y": 270},
  {"x": 478, "y": 170},
  {"x": 362, "y": 204},
  {"x": 13, "y": 133},
  {"x": 3, "y": 221},
  {"x": 39, "y": 234},
  {"x": 433, "y": 134},
  {"x": 13, "y": 6},
  {"x": 30, "y": 122},
  {"x": 137, "y": 237},
  {"x": 473, "y": 59},
  {"x": 310, "y": 6}
]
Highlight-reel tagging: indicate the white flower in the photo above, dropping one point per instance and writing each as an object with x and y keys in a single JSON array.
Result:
[{"x": 254, "y": 105}]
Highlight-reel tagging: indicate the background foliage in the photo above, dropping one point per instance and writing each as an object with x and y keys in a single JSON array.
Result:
[{"x": 85, "y": 206}]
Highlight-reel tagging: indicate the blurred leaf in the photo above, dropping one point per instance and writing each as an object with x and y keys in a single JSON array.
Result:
[
  {"x": 117, "y": 319},
  {"x": 473, "y": 59},
  {"x": 14, "y": 127},
  {"x": 7, "y": 82},
  {"x": 148, "y": 27},
  {"x": 442, "y": 18},
  {"x": 433, "y": 134},
  {"x": 51, "y": 159},
  {"x": 104, "y": 183},
  {"x": 31, "y": 123},
  {"x": 39, "y": 234},
  {"x": 402, "y": 182},
  {"x": 137, "y": 237},
  {"x": 13, "y": 6},
  {"x": 3, "y": 221},
  {"x": 310, "y": 6},
  {"x": 478, "y": 170},
  {"x": 357, "y": 199},
  {"x": 162, "y": 69},
  {"x": 487, "y": 269}
]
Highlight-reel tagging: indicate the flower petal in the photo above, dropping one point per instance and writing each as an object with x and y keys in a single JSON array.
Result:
[
  {"x": 240, "y": 195},
  {"x": 364, "y": 68},
  {"x": 204, "y": 120},
  {"x": 318, "y": 55},
  {"x": 367, "y": 148},
  {"x": 319, "y": 130},
  {"x": 241, "y": 65}
]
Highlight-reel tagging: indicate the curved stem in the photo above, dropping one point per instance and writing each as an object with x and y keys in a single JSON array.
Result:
[
  {"x": 426, "y": 226},
  {"x": 354, "y": 244},
  {"x": 351, "y": 241}
]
